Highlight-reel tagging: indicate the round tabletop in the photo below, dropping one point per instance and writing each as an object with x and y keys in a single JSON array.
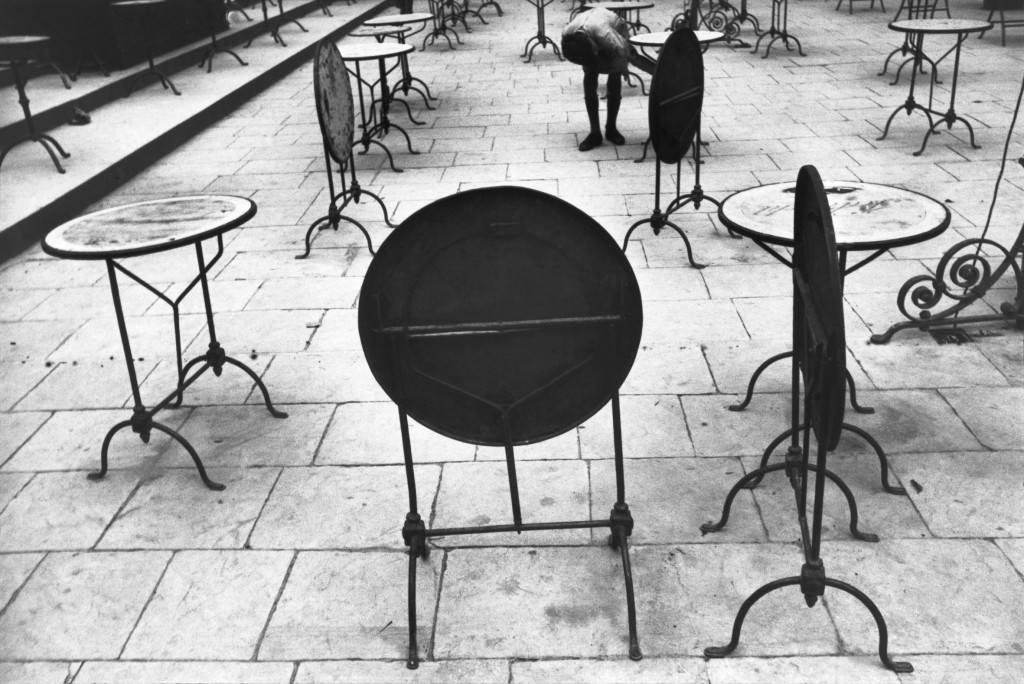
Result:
[
  {"x": 399, "y": 19},
  {"x": 362, "y": 51},
  {"x": 20, "y": 47},
  {"x": 147, "y": 227},
  {"x": 865, "y": 216},
  {"x": 940, "y": 26},
  {"x": 377, "y": 31},
  {"x": 658, "y": 38},
  {"x": 621, "y": 6},
  {"x": 136, "y": 3}
]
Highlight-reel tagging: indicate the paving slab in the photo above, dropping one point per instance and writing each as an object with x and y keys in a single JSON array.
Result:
[
  {"x": 653, "y": 426},
  {"x": 369, "y": 433},
  {"x": 998, "y": 669},
  {"x": 326, "y": 612},
  {"x": 16, "y": 428},
  {"x": 10, "y": 485},
  {"x": 15, "y": 568},
  {"x": 975, "y": 494},
  {"x": 79, "y": 605},
  {"x": 243, "y": 436},
  {"x": 390, "y": 672},
  {"x": 175, "y": 510},
  {"x": 73, "y": 440},
  {"x": 340, "y": 507},
  {"x": 671, "y": 499},
  {"x": 931, "y": 603},
  {"x": 830, "y": 669},
  {"x": 648, "y": 671},
  {"x": 210, "y": 605},
  {"x": 61, "y": 511},
  {"x": 474, "y": 494},
  {"x": 38, "y": 673},
  {"x": 183, "y": 672},
  {"x": 991, "y": 414}
]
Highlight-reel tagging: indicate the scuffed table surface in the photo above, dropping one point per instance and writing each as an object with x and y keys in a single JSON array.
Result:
[
  {"x": 147, "y": 227},
  {"x": 864, "y": 215}
]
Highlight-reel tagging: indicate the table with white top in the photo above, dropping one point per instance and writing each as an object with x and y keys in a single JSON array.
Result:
[
  {"x": 541, "y": 38},
  {"x": 867, "y": 217},
  {"x": 407, "y": 24},
  {"x": 916, "y": 30},
  {"x": 373, "y": 110},
  {"x": 147, "y": 228}
]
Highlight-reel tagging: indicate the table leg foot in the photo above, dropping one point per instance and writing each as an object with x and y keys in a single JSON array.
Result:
[
  {"x": 259, "y": 383},
  {"x": 753, "y": 380},
  {"x": 210, "y": 484}
]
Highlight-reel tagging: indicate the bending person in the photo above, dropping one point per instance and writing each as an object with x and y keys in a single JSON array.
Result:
[{"x": 598, "y": 40}]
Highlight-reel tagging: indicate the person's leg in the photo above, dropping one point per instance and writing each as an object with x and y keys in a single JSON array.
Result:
[
  {"x": 614, "y": 98},
  {"x": 590, "y": 99}
]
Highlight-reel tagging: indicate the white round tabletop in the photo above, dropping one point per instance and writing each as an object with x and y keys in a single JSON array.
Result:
[
  {"x": 147, "y": 227},
  {"x": 362, "y": 51},
  {"x": 658, "y": 38},
  {"x": 399, "y": 19},
  {"x": 864, "y": 215},
  {"x": 620, "y": 6},
  {"x": 940, "y": 26}
]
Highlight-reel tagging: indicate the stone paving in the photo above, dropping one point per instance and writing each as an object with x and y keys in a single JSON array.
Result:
[{"x": 296, "y": 572}]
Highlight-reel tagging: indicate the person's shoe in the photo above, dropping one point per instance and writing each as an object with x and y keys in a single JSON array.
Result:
[
  {"x": 590, "y": 142},
  {"x": 614, "y": 137}
]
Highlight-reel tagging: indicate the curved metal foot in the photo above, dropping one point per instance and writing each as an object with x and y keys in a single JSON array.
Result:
[
  {"x": 309, "y": 234},
  {"x": 753, "y": 380},
  {"x": 623, "y": 546},
  {"x": 853, "y": 396},
  {"x": 101, "y": 473},
  {"x": 210, "y": 484},
  {"x": 259, "y": 383},
  {"x": 883, "y": 461}
]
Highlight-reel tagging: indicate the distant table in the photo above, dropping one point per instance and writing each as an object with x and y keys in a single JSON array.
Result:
[
  {"x": 150, "y": 228},
  {"x": 374, "y": 120},
  {"x": 646, "y": 41},
  {"x": 541, "y": 38},
  {"x": 626, "y": 11},
  {"x": 778, "y": 30},
  {"x": 916, "y": 30},
  {"x": 406, "y": 21},
  {"x": 867, "y": 217}
]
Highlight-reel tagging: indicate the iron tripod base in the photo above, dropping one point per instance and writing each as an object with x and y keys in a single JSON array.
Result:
[
  {"x": 540, "y": 41},
  {"x": 777, "y": 35},
  {"x": 415, "y": 535},
  {"x": 334, "y": 218},
  {"x": 142, "y": 422},
  {"x": 949, "y": 117},
  {"x": 812, "y": 582},
  {"x": 658, "y": 221},
  {"x": 215, "y": 50},
  {"x": 788, "y": 355},
  {"x": 51, "y": 146}
]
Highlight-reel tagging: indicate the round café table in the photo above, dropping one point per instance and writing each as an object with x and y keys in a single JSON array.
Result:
[
  {"x": 867, "y": 217},
  {"x": 150, "y": 228},
  {"x": 541, "y": 38},
  {"x": 373, "y": 110},
  {"x": 628, "y": 10},
  {"x": 406, "y": 21},
  {"x": 916, "y": 30},
  {"x": 652, "y": 41}
]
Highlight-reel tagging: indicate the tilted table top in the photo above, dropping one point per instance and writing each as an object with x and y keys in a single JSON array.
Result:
[
  {"x": 658, "y": 38},
  {"x": 147, "y": 227},
  {"x": 865, "y": 216},
  {"x": 613, "y": 6},
  {"x": 363, "y": 51},
  {"x": 940, "y": 26}
]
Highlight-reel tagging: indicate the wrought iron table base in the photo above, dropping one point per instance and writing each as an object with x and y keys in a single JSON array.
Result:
[
  {"x": 620, "y": 522},
  {"x": 949, "y": 117},
  {"x": 440, "y": 26},
  {"x": 142, "y": 422},
  {"x": 334, "y": 215},
  {"x": 373, "y": 125},
  {"x": 274, "y": 26},
  {"x": 541, "y": 39},
  {"x": 788, "y": 355},
  {"x": 778, "y": 30},
  {"x": 48, "y": 143},
  {"x": 718, "y": 19},
  {"x": 165, "y": 81}
]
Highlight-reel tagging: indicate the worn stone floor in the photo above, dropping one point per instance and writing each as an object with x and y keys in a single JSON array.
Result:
[{"x": 296, "y": 572}]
